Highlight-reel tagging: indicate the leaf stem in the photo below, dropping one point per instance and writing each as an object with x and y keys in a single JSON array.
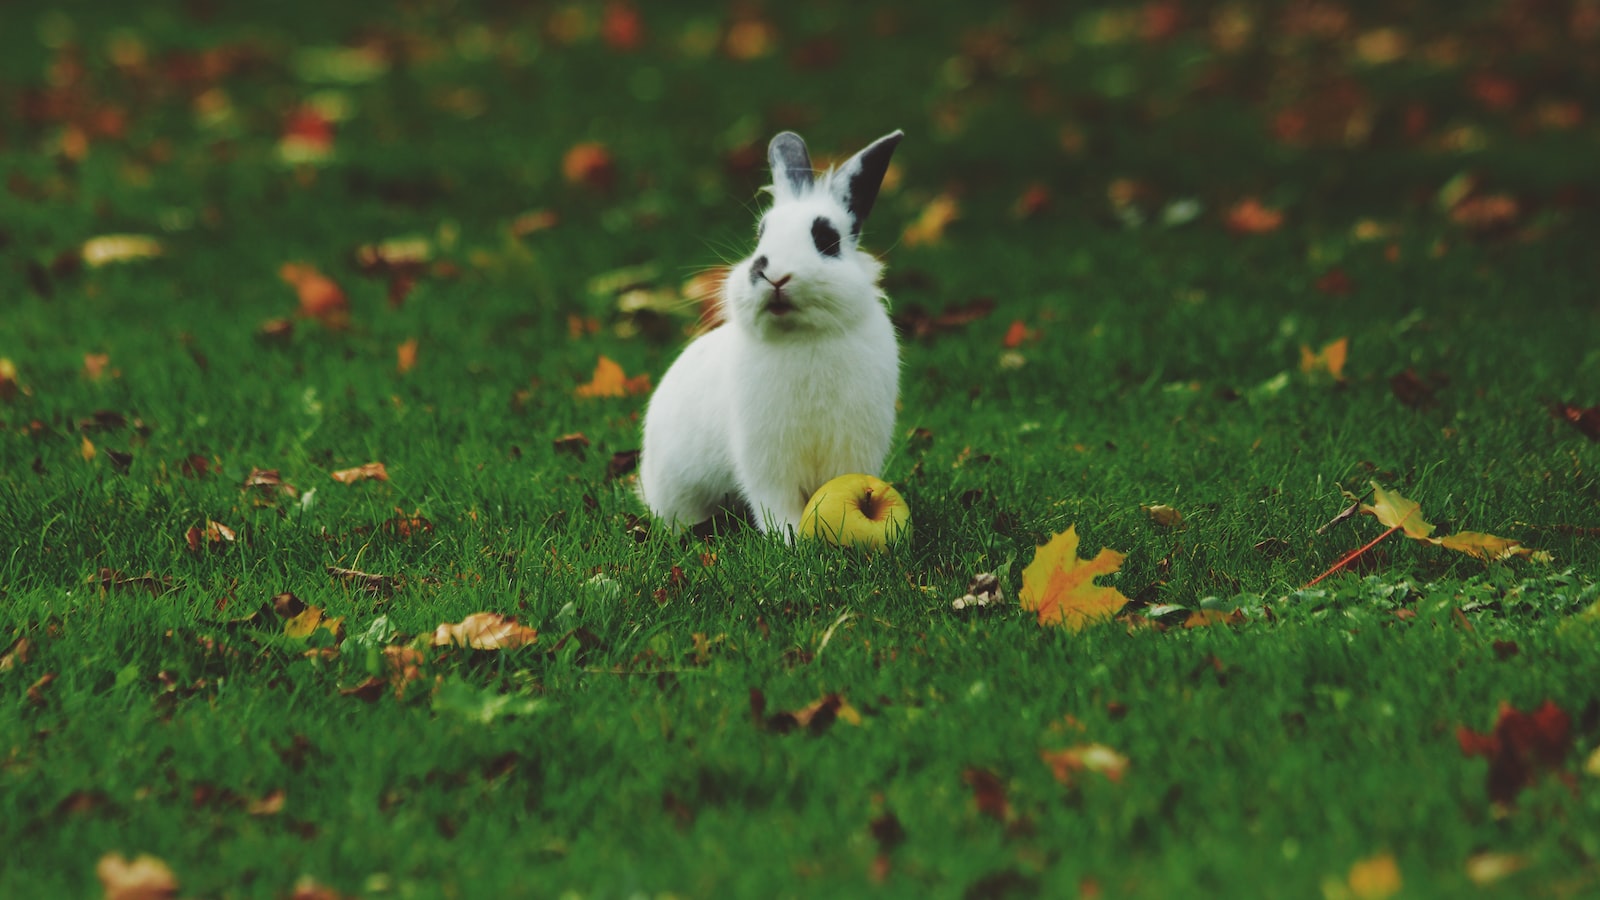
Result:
[{"x": 1350, "y": 557}]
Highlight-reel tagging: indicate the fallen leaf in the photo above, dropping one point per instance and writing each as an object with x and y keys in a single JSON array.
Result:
[
  {"x": 1409, "y": 388},
  {"x": 989, "y": 793},
  {"x": 589, "y": 164},
  {"x": 86, "y": 450},
  {"x": 1017, "y": 335},
  {"x": 815, "y": 717},
  {"x": 94, "y": 365},
  {"x": 1335, "y": 282},
  {"x": 118, "y": 248},
  {"x": 406, "y": 356},
  {"x": 320, "y": 298},
  {"x": 931, "y": 223},
  {"x": 621, "y": 27},
  {"x": 916, "y": 322},
  {"x": 1060, "y": 587},
  {"x": 534, "y": 221},
  {"x": 307, "y": 137},
  {"x": 484, "y": 631},
  {"x": 610, "y": 381},
  {"x": 1066, "y": 763},
  {"x": 374, "y": 470},
  {"x": 1585, "y": 420},
  {"x": 572, "y": 444},
  {"x": 1248, "y": 216},
  {"x": 307, "y": 888},
  {"x": 8, "y": 379},
  {"x": 1327, "y": 362},
  {"x": 1484, "y": 546},
  {"x": 750, "y": 38},
  {"x": 1520, "y": 747},
  {"x": 311, "y": 620},
  {"x": 1163, "y": 515},
  {"x": 1374, "y": 878},
  {"x": 142, "y": 878},
  {"x": 1396, "y": 511},
  {"x": 36, "y": 690},
  {"x": 1203, "y": 618},
  {"x": 18, "y": 654},
  {"x": 1487, "y": 867},
  {"x": 381, "y": 585},
  {"x": 269, "y": 805}
]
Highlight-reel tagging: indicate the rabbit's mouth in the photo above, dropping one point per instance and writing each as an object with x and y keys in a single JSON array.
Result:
[{"x": 780, "y": 305}]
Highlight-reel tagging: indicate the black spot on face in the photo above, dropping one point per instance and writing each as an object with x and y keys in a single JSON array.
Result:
[{"x": 825, "y": 236}]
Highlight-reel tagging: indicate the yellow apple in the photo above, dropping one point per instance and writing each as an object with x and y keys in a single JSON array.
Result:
[{"x": 857, "y": 510}]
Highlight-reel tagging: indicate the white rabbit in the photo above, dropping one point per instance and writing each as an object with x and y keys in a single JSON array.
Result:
[{"x": 798, "y": 385}]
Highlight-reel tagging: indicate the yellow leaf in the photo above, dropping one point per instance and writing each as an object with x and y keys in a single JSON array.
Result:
[
  {"x": 1329, "y": 361},
  {"x": 1487, "y": 867},
  {"x": 935, "y": 218},
  {"x": 1060, "y": 587},
  {"x": 1374, "y": 878},
  {"x": 94, "y": 365},
  {"x": 610, "y": 381},
  {"x": 1484, "y": 546},
  {"x": 116, "y": 248},
  {"x": 309, "y": 621},
  {"x": 87, "y": 449},
  {"x": 141, "y": 878},
  {"x": 8, "y": 379},
  {"x": 484, "y": 631},
  {"x": 1396, "y": 511}
]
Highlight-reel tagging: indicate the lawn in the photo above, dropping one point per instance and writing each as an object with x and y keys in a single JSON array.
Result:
[{"x": 1192, "y": 280}]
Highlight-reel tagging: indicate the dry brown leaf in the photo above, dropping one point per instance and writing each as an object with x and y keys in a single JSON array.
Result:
[
  {"x": 320, "y": 297},
  {"x": 374, "y": 470},
  {"x": 142, "y": 878},
  {"x": 484, "y": 631},
  {"x": 1163, "y": 515},
  {"x": 18, "y": 654},
  {"x": 1066, "y": 763},
  {"x": 610, "y": 381},
  {"x": 1060, "y": 587}
]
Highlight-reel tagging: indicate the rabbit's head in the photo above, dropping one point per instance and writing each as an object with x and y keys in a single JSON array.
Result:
[{"x": 807, "y": 274}]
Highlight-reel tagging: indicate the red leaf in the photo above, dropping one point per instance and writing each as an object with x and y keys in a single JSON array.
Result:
[{"x": 1519, "y": 748}]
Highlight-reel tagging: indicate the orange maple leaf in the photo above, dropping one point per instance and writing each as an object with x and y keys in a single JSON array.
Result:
[
  {"x": 1060, "y": 587},
  {"x": 610, "y": 381},
  {"x": 1329, "y": 361},
  {"x": 320, "y": 297}
]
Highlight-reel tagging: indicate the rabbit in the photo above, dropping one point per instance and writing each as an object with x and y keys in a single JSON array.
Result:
[{"x": 799, "y": 383}]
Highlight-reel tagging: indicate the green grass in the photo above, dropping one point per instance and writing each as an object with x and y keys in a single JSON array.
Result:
[{"x": 1266, "y": 758}]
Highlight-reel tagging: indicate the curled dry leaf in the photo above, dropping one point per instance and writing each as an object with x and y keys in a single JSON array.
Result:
[
  {"x": 1067, "y": 763},
  {"x": 1163, "y": 515},
  {"x": 610, "y": 381},
  {"x": 373, "y": 470},
  {"x": 142, "y": 878},
  {"x": 118, "y": 248},
  {"x": 484, "y": 631},
  {"x": 320, "y": 298},
  {"x": 1060, "y": 587}
]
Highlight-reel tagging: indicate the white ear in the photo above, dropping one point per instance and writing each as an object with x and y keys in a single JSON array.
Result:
[
  {"x": 791, "y": 165},
  {"x": 855, "y": 184}
]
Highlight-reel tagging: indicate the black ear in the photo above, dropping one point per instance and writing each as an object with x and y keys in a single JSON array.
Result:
[
  {"x": 856, "y": 182},
  {"x": 791, "y": 164}
]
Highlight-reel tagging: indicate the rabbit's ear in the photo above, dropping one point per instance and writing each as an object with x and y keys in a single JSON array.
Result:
[
  {"x": 855, "y": 184},
  {"x": 791, "y": 165}
]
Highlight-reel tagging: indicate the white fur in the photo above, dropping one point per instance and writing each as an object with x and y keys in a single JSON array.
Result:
[{"x": 768, "y": 406}]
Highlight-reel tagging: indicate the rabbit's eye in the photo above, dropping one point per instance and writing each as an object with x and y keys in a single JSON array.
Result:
[{"x": 825, "y": 236}]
